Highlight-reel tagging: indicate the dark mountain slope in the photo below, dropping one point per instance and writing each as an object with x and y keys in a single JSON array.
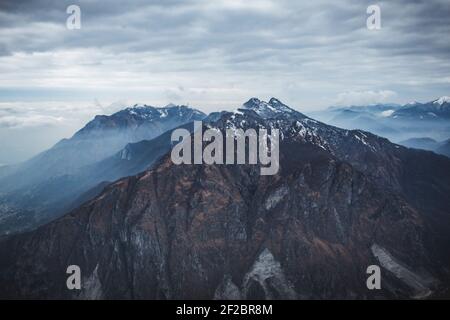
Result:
[{"x": 177, "y": 233}]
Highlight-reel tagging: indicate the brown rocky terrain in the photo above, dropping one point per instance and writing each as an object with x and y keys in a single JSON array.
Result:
[{"x": 342, "y": 200}]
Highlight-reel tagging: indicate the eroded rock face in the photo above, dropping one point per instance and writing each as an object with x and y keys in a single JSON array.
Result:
[
  {"x": 227, "y": 290},
  {"x": 92, "y": 287},
  {"x": 419, "y": 284},
  {"x": 267, "y": 274},
  {"x": 179, "y": 231},
  {"x": 226, "y": 232}
]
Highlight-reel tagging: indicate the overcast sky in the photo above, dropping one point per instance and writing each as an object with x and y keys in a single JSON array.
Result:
[{"x": 212, "y": 54}]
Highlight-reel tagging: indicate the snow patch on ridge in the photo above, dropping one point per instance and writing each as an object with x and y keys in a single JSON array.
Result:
[
  {"x": 273, "y": 199},
  {"x": 268, "y": 273},
  {"x": 92, "y": 287},
  {"x": 414, "y": 281},
  {"x": 442, "y": 100}
]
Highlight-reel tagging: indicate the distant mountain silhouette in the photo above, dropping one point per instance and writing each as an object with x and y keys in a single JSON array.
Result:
[{"x": 106, "y": 149}]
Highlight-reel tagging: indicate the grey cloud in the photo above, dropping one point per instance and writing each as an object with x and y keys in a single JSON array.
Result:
[
  {"x": 261, "y": 45},
  {"x": 190, "y": 26},
  {"x": 25, "y": 121}
]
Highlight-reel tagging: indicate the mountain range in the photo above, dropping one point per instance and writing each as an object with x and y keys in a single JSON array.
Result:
[
  {"x": 396, "y": 122},
  {"x": 107, "y": 148},
  {"x": 342, "y": 200},
  {"x": 442, "y": 147}
]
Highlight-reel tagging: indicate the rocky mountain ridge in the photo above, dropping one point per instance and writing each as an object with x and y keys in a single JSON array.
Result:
[{"x": 342, "y": 200}]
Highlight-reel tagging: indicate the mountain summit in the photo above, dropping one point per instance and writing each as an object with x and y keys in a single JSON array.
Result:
[
  {"x": 267, "y": 109},
  {"x": 442, "y": 100},
  {"x": 438, "y": 109},
  {"x": 140, "y": 122}
]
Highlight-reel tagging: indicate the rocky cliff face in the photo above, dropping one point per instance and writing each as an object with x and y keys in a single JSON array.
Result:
[{"x": 342, "y": 200}]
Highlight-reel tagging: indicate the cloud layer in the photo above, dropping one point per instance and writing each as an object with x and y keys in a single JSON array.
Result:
[
  {"x": 362, "y": 98},
  {"x": 216, "y": 54}
]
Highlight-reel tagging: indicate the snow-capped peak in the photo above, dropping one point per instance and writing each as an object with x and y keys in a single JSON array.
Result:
[
  {"x": 442, "y": 100},
  {"x": 253, "y": 103},
  {"x": 136, "y": 110},
  {"x": 138, "y": 106},
  {"x": 146, "y": 112},
  {"x": 279, "y": 105},
  {"x": 266, "y": 109}
]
